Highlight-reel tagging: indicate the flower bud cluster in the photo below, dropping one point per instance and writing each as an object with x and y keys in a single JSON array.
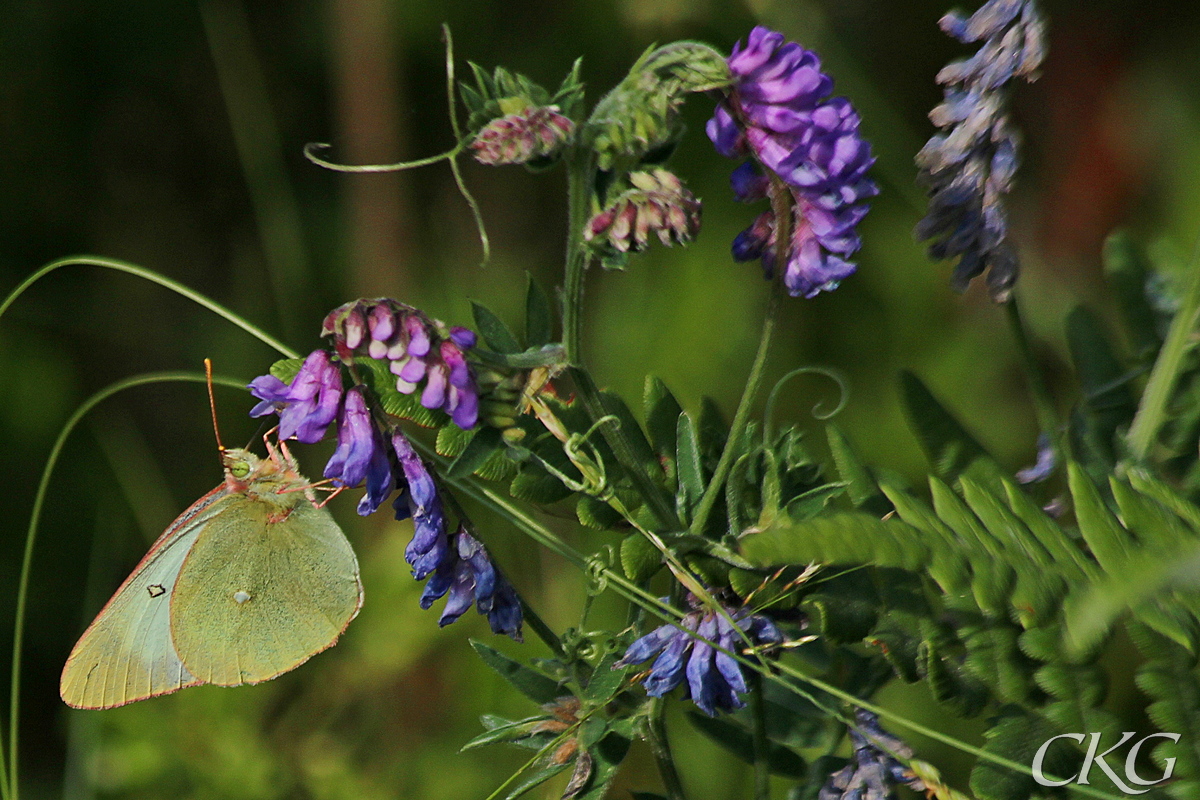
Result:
[
  {"x": 641, "y": 114},
  {"x": 714, "y": 678},
  {"x": 537, "y": 132},
  {"x": 969, "y": 166},
  {"x": 422, "y": 353},
  {"x": 658, "y": 203}
]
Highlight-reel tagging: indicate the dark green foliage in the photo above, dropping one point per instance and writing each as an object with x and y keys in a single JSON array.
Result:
[
  {"x": 1108, "y": 403},
  {"x": 950, "y": 448},
  {"x": 537, "y": 686},
  {"x": 739, "y": 741},
  {"x": 1126, "y": 269},
  {"x": 1015, "y": 736},
  {"x": 1169, "y": 678}
]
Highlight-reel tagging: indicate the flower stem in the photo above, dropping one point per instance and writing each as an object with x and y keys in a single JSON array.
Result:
[
  {"x": 661, "y": 748},
  {"x": 1153, "y": 407},
  {"x": 580, "y": 174},
  {"x": 733, "y": 445},
  {"x": 655, "y": 497},
  {"x": 1043, "y": 401},
  {"x": 762, "y": 766},
  {"x": 542, "y": 630}
]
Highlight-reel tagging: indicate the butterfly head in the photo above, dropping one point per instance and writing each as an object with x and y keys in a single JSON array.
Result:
[{"x": 240, "y": 465}]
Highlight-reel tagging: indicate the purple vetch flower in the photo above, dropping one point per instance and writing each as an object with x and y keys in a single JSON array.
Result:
[
  {"x": 968, "y": 167},
  {"x": 456, "y": 564},
  {"x": 875, "y": 767},
  {"x": 360, "y": 454},
  {"x": 423, "y": 354},
  {"x": 778, "y": 111},
  {"x": 308, "y": 405},
  {"x": 537, "y": 132},
  {"x": 714, "y": 678}
]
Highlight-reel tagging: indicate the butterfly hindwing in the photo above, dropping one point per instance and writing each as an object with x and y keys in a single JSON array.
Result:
[
  {"x": 126, "y": 654},
  {"x": 266, "y": 586}
]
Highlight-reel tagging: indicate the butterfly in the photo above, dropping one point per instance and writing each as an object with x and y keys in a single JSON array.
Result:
[{"x": 251, "y": 581}]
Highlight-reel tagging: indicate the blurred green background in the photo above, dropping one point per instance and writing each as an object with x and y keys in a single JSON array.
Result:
[{"x": 170, "y": 135}]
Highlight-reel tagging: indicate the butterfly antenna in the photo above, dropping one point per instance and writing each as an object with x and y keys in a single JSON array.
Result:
[{"x": 212, "y": 405}]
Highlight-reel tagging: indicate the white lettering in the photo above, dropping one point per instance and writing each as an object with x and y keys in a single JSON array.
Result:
[{"x": 1040, "y": 758}]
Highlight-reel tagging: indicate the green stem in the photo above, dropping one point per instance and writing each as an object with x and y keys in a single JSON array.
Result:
[
  {"x": 153, "y": 277},
  {"x": 542, "y": 630},
  {"x": 35, "y": 516},
  {"x": 654, "y": 495},
  {"x": 1159, "y": 387},
  {"x": 671, "y": 616},
  {"x": 762, "y": 766},
  {"x": 580, "y": 176},
  {"x": 733, "y": 445},
  {"x": 1043, "y": 401},
  {"x": 661, "y": 747}
]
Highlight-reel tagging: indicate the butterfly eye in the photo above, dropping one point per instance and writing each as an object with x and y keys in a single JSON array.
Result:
[{"x": 239, "y": 469}]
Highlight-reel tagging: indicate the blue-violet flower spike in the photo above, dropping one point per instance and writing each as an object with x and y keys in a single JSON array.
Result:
[
  {"x": 714, "y": 679},
  {"x": 778, "y": 111},
  {"x": 968, "y": 167}
]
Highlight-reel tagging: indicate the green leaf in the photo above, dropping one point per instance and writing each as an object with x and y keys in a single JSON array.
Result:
[
  {"x": 840, "y": 538},
  {"x": 535, "y": 780},
  {"x": 860, "y": 486},
  {"x": 1091, "y": 611},
  {"x": 484, "y": 444},
  {"x": 286, "y": 368},
  {"x": 506, "y": 732},
  {"x": 605, "y": 681},
  {"x": 840, "y": 618},
  {"x": 614, "y": 404},
  {"x": 1125, "y": 270},
  {"x": 1015, "y": 736},
  {"x": 493, "y": 330},
  {"x": 1068, "y": 558},
  {"x": 948, "y": 445},
  {"x": 814, "y": 501},
  {"x": 596, "y": 514},
  {"x": 1105, "y": 383},
  {"x": 1105, "y": 537},
  {"x": 1168, "y": 678},
  {"x": 607, "y": 755},
  {"x": 539, "y": 319},
  {"x": 689, "y": 471},
  {"x": 639, "y": 558},
  {"x": 711, "y": 433},
  {"x": 537, "y": 686},
  {"x": 740, "y": 742},
  {"x": 662, "y": 416},
  {"x": 1156, "y": 489}
]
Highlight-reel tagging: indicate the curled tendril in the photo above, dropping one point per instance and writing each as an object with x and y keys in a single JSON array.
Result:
[
  {"x": 312, "y": 148},
  {"x": 597, "y": 567},
  {"x": 588, "y": 645},
  {"x": 819, "y": 411}
]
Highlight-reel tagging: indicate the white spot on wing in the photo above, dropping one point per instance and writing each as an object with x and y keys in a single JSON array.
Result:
[{"x": 240, "y": 597}]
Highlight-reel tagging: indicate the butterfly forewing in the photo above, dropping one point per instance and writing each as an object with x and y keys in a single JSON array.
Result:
[
  {"x": 267, "y": 585},
  {"x": 126, "y": 654}
]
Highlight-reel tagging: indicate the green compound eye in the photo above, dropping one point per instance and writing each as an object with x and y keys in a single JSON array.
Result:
[{"x": 239, "y": 469}]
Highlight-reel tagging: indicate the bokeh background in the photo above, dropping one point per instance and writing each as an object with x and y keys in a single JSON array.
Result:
[{"x": 170, "y": 135}]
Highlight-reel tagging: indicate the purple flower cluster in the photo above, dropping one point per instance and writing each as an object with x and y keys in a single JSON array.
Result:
[
  {"x": 874, "y": 769},
  {"x": 306, "y": 408},
  {"x": 537, "y": 132},
  {"x": 969, "y": 166},
  {"x": 714, "y": 678},
  {"x": 421, "y": 352},
  {"x": 456, "y": 563},
  {"x": 778, "y": 110},
  {"x": 657, "y": 203}
]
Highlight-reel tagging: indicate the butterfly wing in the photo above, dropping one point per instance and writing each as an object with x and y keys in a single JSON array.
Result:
[
  {"x": 126, "y": 653},
  {"x": 267, "y": 586}
]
